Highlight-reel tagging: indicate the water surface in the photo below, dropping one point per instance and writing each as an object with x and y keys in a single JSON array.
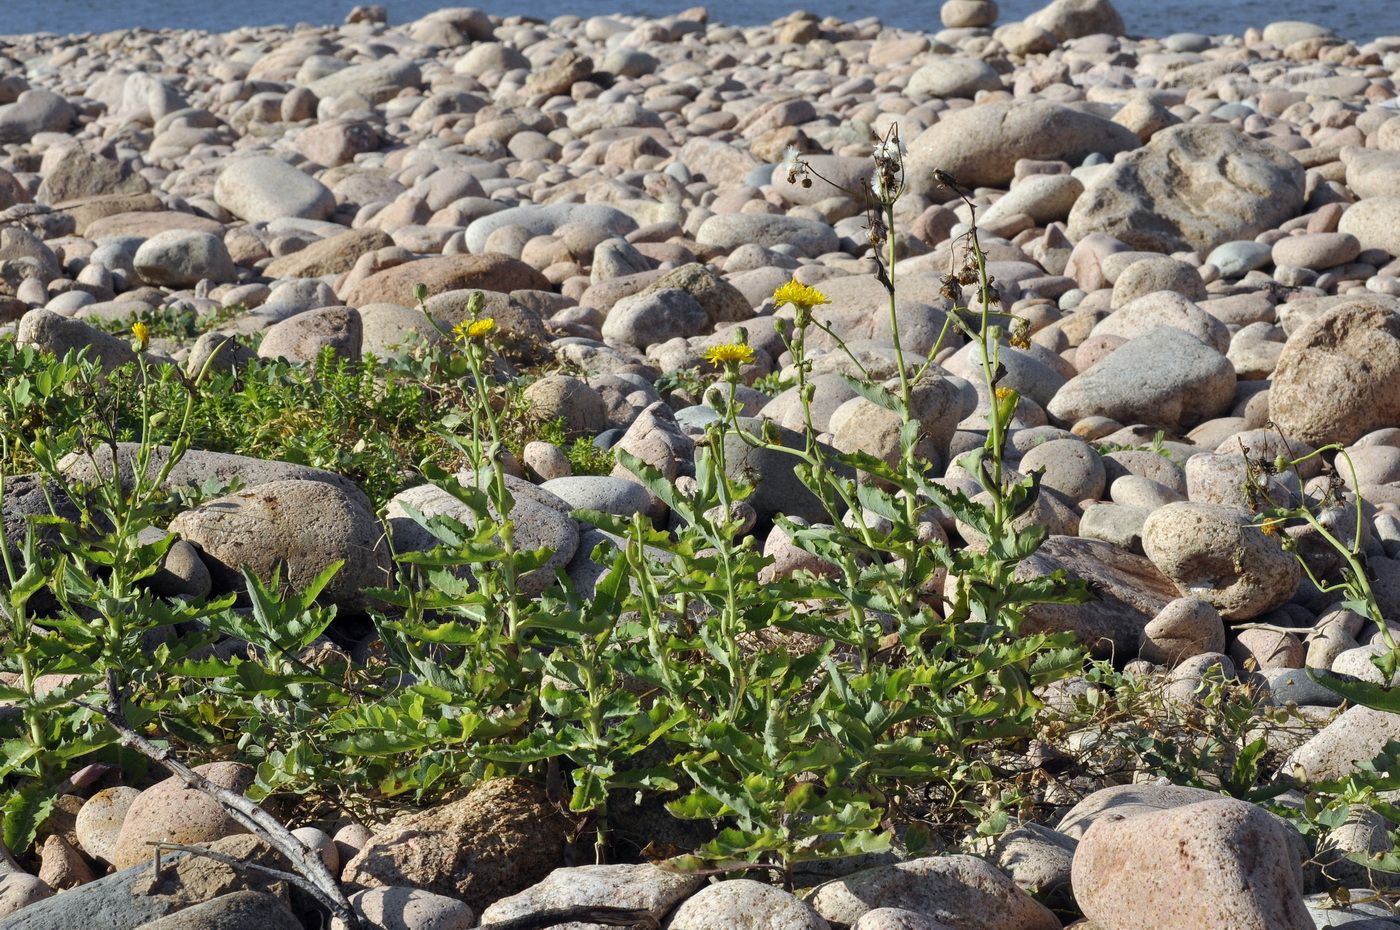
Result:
[{"x": 1355, "y": 19}]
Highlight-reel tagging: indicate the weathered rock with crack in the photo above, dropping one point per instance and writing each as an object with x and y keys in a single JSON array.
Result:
[
  {"x": 1217, "y": 554},
  {"x": 1127, "y": 593},
  {"x": 1191, "y": 187},
  {"x": 500, "y": 839}
]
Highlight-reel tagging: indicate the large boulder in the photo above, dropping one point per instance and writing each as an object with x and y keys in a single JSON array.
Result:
[
  {"x": 744, "y": 904},
  {"x": 375, "y": 81},
  {"x": 262, "y": 188},
  {"x": 1191, "y": 187},
  {"x": 650, "y": 317},
  {"x": 721, "y": 301},
  {"x": 297, "y": 526},
  {"x": 1219, "y": 863},
  {"x": 181, "y": 258},
  {"x": 489, "y": 272},
  {"x": 1165, "y": 378},
  {"x": 57, "y": 335},
  {"x": 1217, "y": 554},
  {"x": 1357, "y": 736},
  {"x": 1375, "y": 222},
  {"x": 961, "y": 891},
  {"x": 979, "y": 146},
  {"x": 330, "y": 256},
  {"x": 302, "y": 336},
  {"x": 1073, "y": 19},
  {"x": 1339, "y": 375},
  {"x": 80, "y": 174},
  {"x": 728, "y": 231},
  {"x": 953, "y": 77},
  {"x": 241, "y": 910},
  {"x": 37, "y": 110},
  {"x": 1122, "y": 801},
  {"x": 544, "y": 219},
  {"x": 136, "y": 896}
]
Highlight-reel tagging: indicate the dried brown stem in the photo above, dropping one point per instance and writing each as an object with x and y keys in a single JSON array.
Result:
[{"x": 319, "y": 882}]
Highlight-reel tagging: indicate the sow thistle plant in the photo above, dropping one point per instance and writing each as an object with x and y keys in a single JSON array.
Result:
[
  {"x": 819, "y": 715},
  {"x": 1330, "y": 522},
  {"x": 890, "y": 717}
]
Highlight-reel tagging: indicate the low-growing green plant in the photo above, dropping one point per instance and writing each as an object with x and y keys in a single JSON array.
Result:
[
  {"x": 105, "y": 621},
  {"x": 1334, "y": 520},
  {"x": 177, "y": 321}
]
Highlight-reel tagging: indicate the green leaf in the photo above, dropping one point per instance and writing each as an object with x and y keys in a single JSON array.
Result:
[
  {"x": 874, "y": 393},
  {"x": 1369, "y": 694},
  {"x": 24, "y": 811}
]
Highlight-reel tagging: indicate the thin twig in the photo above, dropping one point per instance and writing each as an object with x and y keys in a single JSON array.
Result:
[
  {"x": 608, "y": 916},
  {"x": 321, "y": 885}
]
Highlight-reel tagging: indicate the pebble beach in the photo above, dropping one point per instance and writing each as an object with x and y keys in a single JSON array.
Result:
[{"x": 1197, "y": 238}]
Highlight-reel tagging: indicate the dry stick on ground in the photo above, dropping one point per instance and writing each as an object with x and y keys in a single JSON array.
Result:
[
  {"x": 609, "y": 916},
  {"x": 314, "y": 878},
  {"x": 320, "y": 883},
  {"x": 230, "y": 861}
]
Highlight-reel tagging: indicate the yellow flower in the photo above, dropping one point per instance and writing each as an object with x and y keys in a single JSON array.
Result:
[
  {"x": 732, "y": 353},
  {"x": 799, "y": 295},
  {"x": 474, "y": 329},
  {"x": 142, "y": 333},
  {"x": 1004, "y": 393}
]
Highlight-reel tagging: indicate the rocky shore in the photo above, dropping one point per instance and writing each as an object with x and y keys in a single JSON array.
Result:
[{"x": 1202, "y": 234}]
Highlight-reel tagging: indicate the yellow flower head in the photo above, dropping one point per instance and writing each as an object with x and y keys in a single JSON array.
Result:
[
  {"x": 732, "y": 353},
  {"x": 474, "y": 329},
  {"x": 142, "y": 334},
  {"x": 802, "y": 296},
  {"x": 1004, "y": 393}
]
